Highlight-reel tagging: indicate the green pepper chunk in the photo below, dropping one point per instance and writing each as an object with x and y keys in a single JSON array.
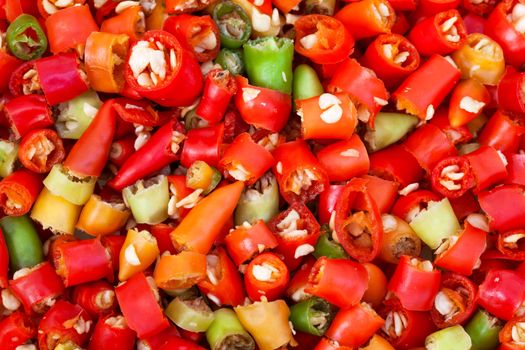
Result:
[
  {"x": 23, "y": 242},
  {"x": 258, "y": 202},
  {"x": 326, "y": 246},
  {"x": 8, "y": 155},
  {"x": 312, "y": 316},
  {"x": 388, "y": 129},
  {"x": 76, "y": 115},
  {"x": 483, "y": 330},
  {"x": 148, "y": 200},
  {"x": 451, "y": 338},
  {"x": 72, "y": 187},
  {"x": 202, "y": 176},
  {"x": 192, "y": 315},
  {"x": 226, "y": 332},
  {"x": 25, "y": 38},
  {"x": 269, "y": 62},
  {"x": 231, "y": 60},
  {"x": 306, "y": 83},
  {"x": 234, "y": 24}
]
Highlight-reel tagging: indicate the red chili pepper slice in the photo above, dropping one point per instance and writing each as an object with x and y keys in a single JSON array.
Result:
[
  {"x": 397, "y": 164},
  {"x": 266, "y": 277},
  {"x": 26, "y": 113},
  {"x": 452, "y": 177},
  {"x": 40, "y": 149},
  {"x": 504, "y": 206},
  {"x": 502, "y": 293},
  {"x": 219, "y": 88},
  {"x": 97, "y": 298},
  {"x": 502, "y": 132},
  {"x": 112, "y": 331},
  {"x": 511, "y": 244},
  {"x": 203, "y": 144},
  {"x": 138, "y": 112},
  {"x": 19, "y": 191},
  {"x": 16, "y": 329}
]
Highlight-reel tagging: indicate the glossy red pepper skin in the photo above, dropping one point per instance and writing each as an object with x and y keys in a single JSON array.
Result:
[
  {"x": 273, "y": 289},
  {"x": 429, "y": 38},
  {"x": 57, "y": 326},
  {"x": 327, "y": 202},
  {"x": 4, "y": 262},
  {"x": 16, "y": 329},
  {"x": 456, "y": 135},
  {"x": 158, "y": 340},
  {"x": 138, "y": 112},
  {"x": 343, "y": 328},
  {"x": 383, "y": 192},
  {"x": 219, "y": 88},
  {"x": 40, "y": 164},
  {"x": 60, "y": 78},
  {"x": 436, "y": 147},
  {"x": 113, "y": 245},
  {"x": 340, "y": 167},
  {"x": 26, "y": 113},
  {"x": 243, "y": 243},
  {"x": 361, "y": 22},
  {"x": 21, "y": 187},
  {"x": 501, "y": 132},
  {"x": 186, "y": 73},
  {"x": 362, "y": 85},
  {"x": 147, "y": 320},
  {"x": 299, "y": 281},
  {"x": 162, "y": 231},
  {"x": 502, "y": 293},
  {"x": 397, "y": 164},
  {"x": 82, "y": 261},
  {"x": 341, "y": 282},
  {"x": 464, "y": 205},
  {"x": 295, "y": 156},
  {"x": 419, "y": 326},
  {"x": 424, "y": 90},
  {"x": 516, "y": 169},
  {"x": 153, "y": 156},
  {"x": 33, "y": 289},
  {"x": 509, "y": 91},
  {"x": 8, "y": 64},
  {"x": 203, "y": 144},
  {"x": 106, "y": 335},
  {"x": 92, "y": 297},
  {"x": 427, "y": 8},
  {"x": 385, "y": 67},
  {"x": 488, "y": 167},
  {"x": 473, "y": 22},
  {"x": 121, "y": 150},
  {"x": 504, "y": 206},
  {"x": 269, "y": 110},
  {"x": 356, "y": 198},
  {"x": 228, "y": 289},
  {"x": 499, "y": 28},
  {"x": 414, "y": 287},
  {"x": 405, "y": 204},
  {"x": 84, "y": 159},
  {"x": 440, "y": 181},
  {"x": 287, "y": 246}
]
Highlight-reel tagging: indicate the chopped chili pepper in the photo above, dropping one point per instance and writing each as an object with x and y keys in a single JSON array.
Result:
[
  {"x": 40, "y": 150},
  {"x": 22, "y": 241},
  {"x": 25, "y": 38},
  {"x": 247, "y": 240},
  {"x": 99, "y": 217},
  {"x": 266, "y": 277},
  {"x": 129, "y": 21},
  {"x": 16, "y": 329},
  {"x": 398, "y": 239},
  {"x": 367, "y": 18},
  {"x": 483, "y": 330},
  {"x": 18, "y": 192},
  {"x": 97, "y": 298},
  {"x": 26, "y": 113},
  {"x": 502, "y": 293},
  {"x": 112, "y": 331}
]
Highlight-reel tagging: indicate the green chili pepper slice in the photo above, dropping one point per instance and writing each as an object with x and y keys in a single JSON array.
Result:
[
  {"x": 326, "y": 246},
  {"x": 72, "y": 187},
  {"x": 312, "y": 316},
  {"x": 306, "y": 83},
  {"x": 269, "y": 62},
  {"x": 76, "y": 115},
  {"x": 451, "y": 338},
  {"x": 232, "y": 60},
  {"x": 23, "y": 242},
  {"x": 226, "y": 332},
  {"x": 483, "y": 330},
  {"x": 8, "y": 155},
  {"x": 148, "y": 200},
  {"x": 234, "y": 25},
  {"x": 258, "y": 202},
  {"x": 192, "y": 315},
  {"x": 25, "y": 38},
  {"x": 388, "y": 129}
]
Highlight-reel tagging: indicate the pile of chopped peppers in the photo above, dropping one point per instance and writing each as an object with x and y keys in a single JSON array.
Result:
[{"x": 262, "y": 174}]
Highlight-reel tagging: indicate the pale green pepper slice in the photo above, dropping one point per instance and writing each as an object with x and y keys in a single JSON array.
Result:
[
  {"x": 306, "y": 83},
  {"x": 192, "y": 315},
  {"x": 388, "y": 129},
  {"x": 435, "y": 223},
  {"x": 148, "y": 200},
  {"x": 259, "y": 201},
  {"x": 72, "y": 187},
  {"x": 76, "y": 115},
  {"x": 8, "y": 154},
  {"x": 451, "y": 338},
  {"x": 226, "y": 332}
]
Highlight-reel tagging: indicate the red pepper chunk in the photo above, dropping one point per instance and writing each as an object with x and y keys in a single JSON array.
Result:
[
  {"x": 64, "y": 322},
  {"x": 502, "y": 132},
  {"x": 139, "y": 301},
  {"x": 245, "y": 160},
  {"x": 353, "y": 327},
  {"x": 488, "y": 167},
  {"x": 40, "y": 149},
  {"x": 112, "y": 331},
  {"x": 511, "y": 244},
  {"x": 158, "y": 340},
  {"x": 415, "y": 282},
  {"x": 456, "y": 135},
  {"x": 440, "y": 34},
  {"x": 82, "y": 261},
  {"x": 407, "y": 207},
  {"x": 516, "y": 169},
  {"x": 367, "y": 18},
  {"x": 510, "y": 92},
  {"x": 395, "y": 163},
  {"x": 358, "y": 224},
  {"x": 97, "y": 298},
  {"x": 296, "y": 288},
  {"x": 38, "y": 289},
  {"x": 323, "y": 39},
  {"x": 16, "y": 329},
  {"x": 261, "y": 107},
  {"x": 266, "y": 277},
  {"x": 61, "y": 77},
  {"x": 176, "y": 67},
  {"x": 455, "y": 302},
  {"x": 203, "y": 144},
  {"x": 452, "y": 177},
  {"x": 383, "y": 192},
  {"x": 344, "y": 160},
  {"x": 8, "y": 64},
  {"x": 422, "y": 92},
  {"x": 225, "y": 287},
  {"x": 18, "y": 192},
  {"x": 121, "y": 150},
  {"x": 461, "y": 253},
  {"x": 160, "y": 150},
  {"x": 392, "y": 57},
  {"x": 26, "y": 113},
  {"x": 341, "y": 282},
  {"x": 502, "y": 293},
  {"x": 327, "y": 116},
  {"x": 511, "y": 336},
  {"x": 467, "y": 102},
  {"x": 366, "y": 90},
  {"x": 243, "y": 243},
  {"x": 219, "y": 88},
  {"x": 504, "y": 206},
  {"x": 297, "y": 231},
  {"x": 327, "y": 201},
  {"x": 138, "y": 112},
  {"x": 299, "y": 174}
]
